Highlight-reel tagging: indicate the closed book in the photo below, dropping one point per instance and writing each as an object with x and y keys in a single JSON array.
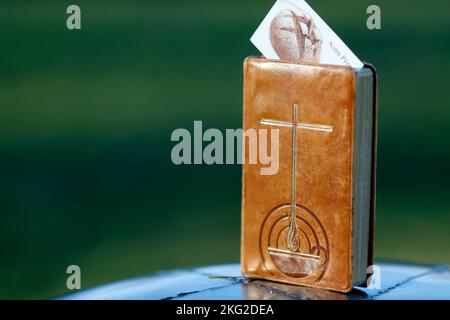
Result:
[{"x": 309, "y": 222}]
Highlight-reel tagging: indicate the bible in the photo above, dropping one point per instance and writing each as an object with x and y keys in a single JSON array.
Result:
[{"x": 310, "y": 223}]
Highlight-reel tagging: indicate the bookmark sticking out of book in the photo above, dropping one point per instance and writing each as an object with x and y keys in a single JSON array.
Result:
[
  {"x": 311, "y": 223},
  {"x": 293, "y": 31}
]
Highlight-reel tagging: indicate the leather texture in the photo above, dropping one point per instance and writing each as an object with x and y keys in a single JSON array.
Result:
[{"x": 313, "y": 199}]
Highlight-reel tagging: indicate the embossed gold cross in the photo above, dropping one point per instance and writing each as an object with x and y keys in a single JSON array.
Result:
[{"x": 292, "y": 239}]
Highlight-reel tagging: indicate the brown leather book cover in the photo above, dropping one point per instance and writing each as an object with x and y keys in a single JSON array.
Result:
[{"x": 297, "y": 223}]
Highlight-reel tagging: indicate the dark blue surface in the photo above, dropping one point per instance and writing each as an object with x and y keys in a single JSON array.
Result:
[{"x": 224, "y": 282}]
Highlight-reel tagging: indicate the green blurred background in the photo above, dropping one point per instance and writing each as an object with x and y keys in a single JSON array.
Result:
[{"x": 86, "y": 118}]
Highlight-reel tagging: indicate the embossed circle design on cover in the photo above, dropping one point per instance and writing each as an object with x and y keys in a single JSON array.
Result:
[{"x": 309, "y": 262}]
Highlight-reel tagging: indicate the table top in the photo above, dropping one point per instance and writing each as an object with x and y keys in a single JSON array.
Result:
[{"x": 225, "y": 282}]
